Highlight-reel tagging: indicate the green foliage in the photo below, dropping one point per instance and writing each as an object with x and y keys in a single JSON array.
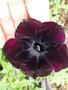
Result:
[
  {"x": 60, "y": 77},
  {"x": 55, "y": 9}
]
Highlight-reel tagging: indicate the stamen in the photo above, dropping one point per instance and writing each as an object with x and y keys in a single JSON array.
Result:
[{"x": 39, "y": 47}]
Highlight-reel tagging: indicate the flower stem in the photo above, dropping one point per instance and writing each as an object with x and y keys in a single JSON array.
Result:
[
  {"x": 45, "y": 85},
  {"x": 48, "y": 86}
]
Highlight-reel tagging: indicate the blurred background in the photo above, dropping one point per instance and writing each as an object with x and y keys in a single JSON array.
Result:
[
  {"x": 13, "y": 79},
  {"x": 59, "y": 12}
]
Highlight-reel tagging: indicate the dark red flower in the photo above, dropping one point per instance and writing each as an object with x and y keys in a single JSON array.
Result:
[{"x": 37, "y": 48}]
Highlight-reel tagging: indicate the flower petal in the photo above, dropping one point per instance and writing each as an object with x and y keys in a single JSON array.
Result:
[
  {"x": 44, "y": 67},
  {"x": 53, "y": 32},
  {"x": 10, "y": 50},
  {"x": 41, "y": 72},
  {"x": 27, "y": 28},
  {"x": 58, "y": 57},
  {"x": 35, "y": 68}
]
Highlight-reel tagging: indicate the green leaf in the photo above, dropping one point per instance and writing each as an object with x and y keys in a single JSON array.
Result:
[{"x": 3, "y": 85}]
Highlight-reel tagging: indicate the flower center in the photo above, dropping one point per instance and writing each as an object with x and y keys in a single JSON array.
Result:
[{"x": 39, "y": 47}]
